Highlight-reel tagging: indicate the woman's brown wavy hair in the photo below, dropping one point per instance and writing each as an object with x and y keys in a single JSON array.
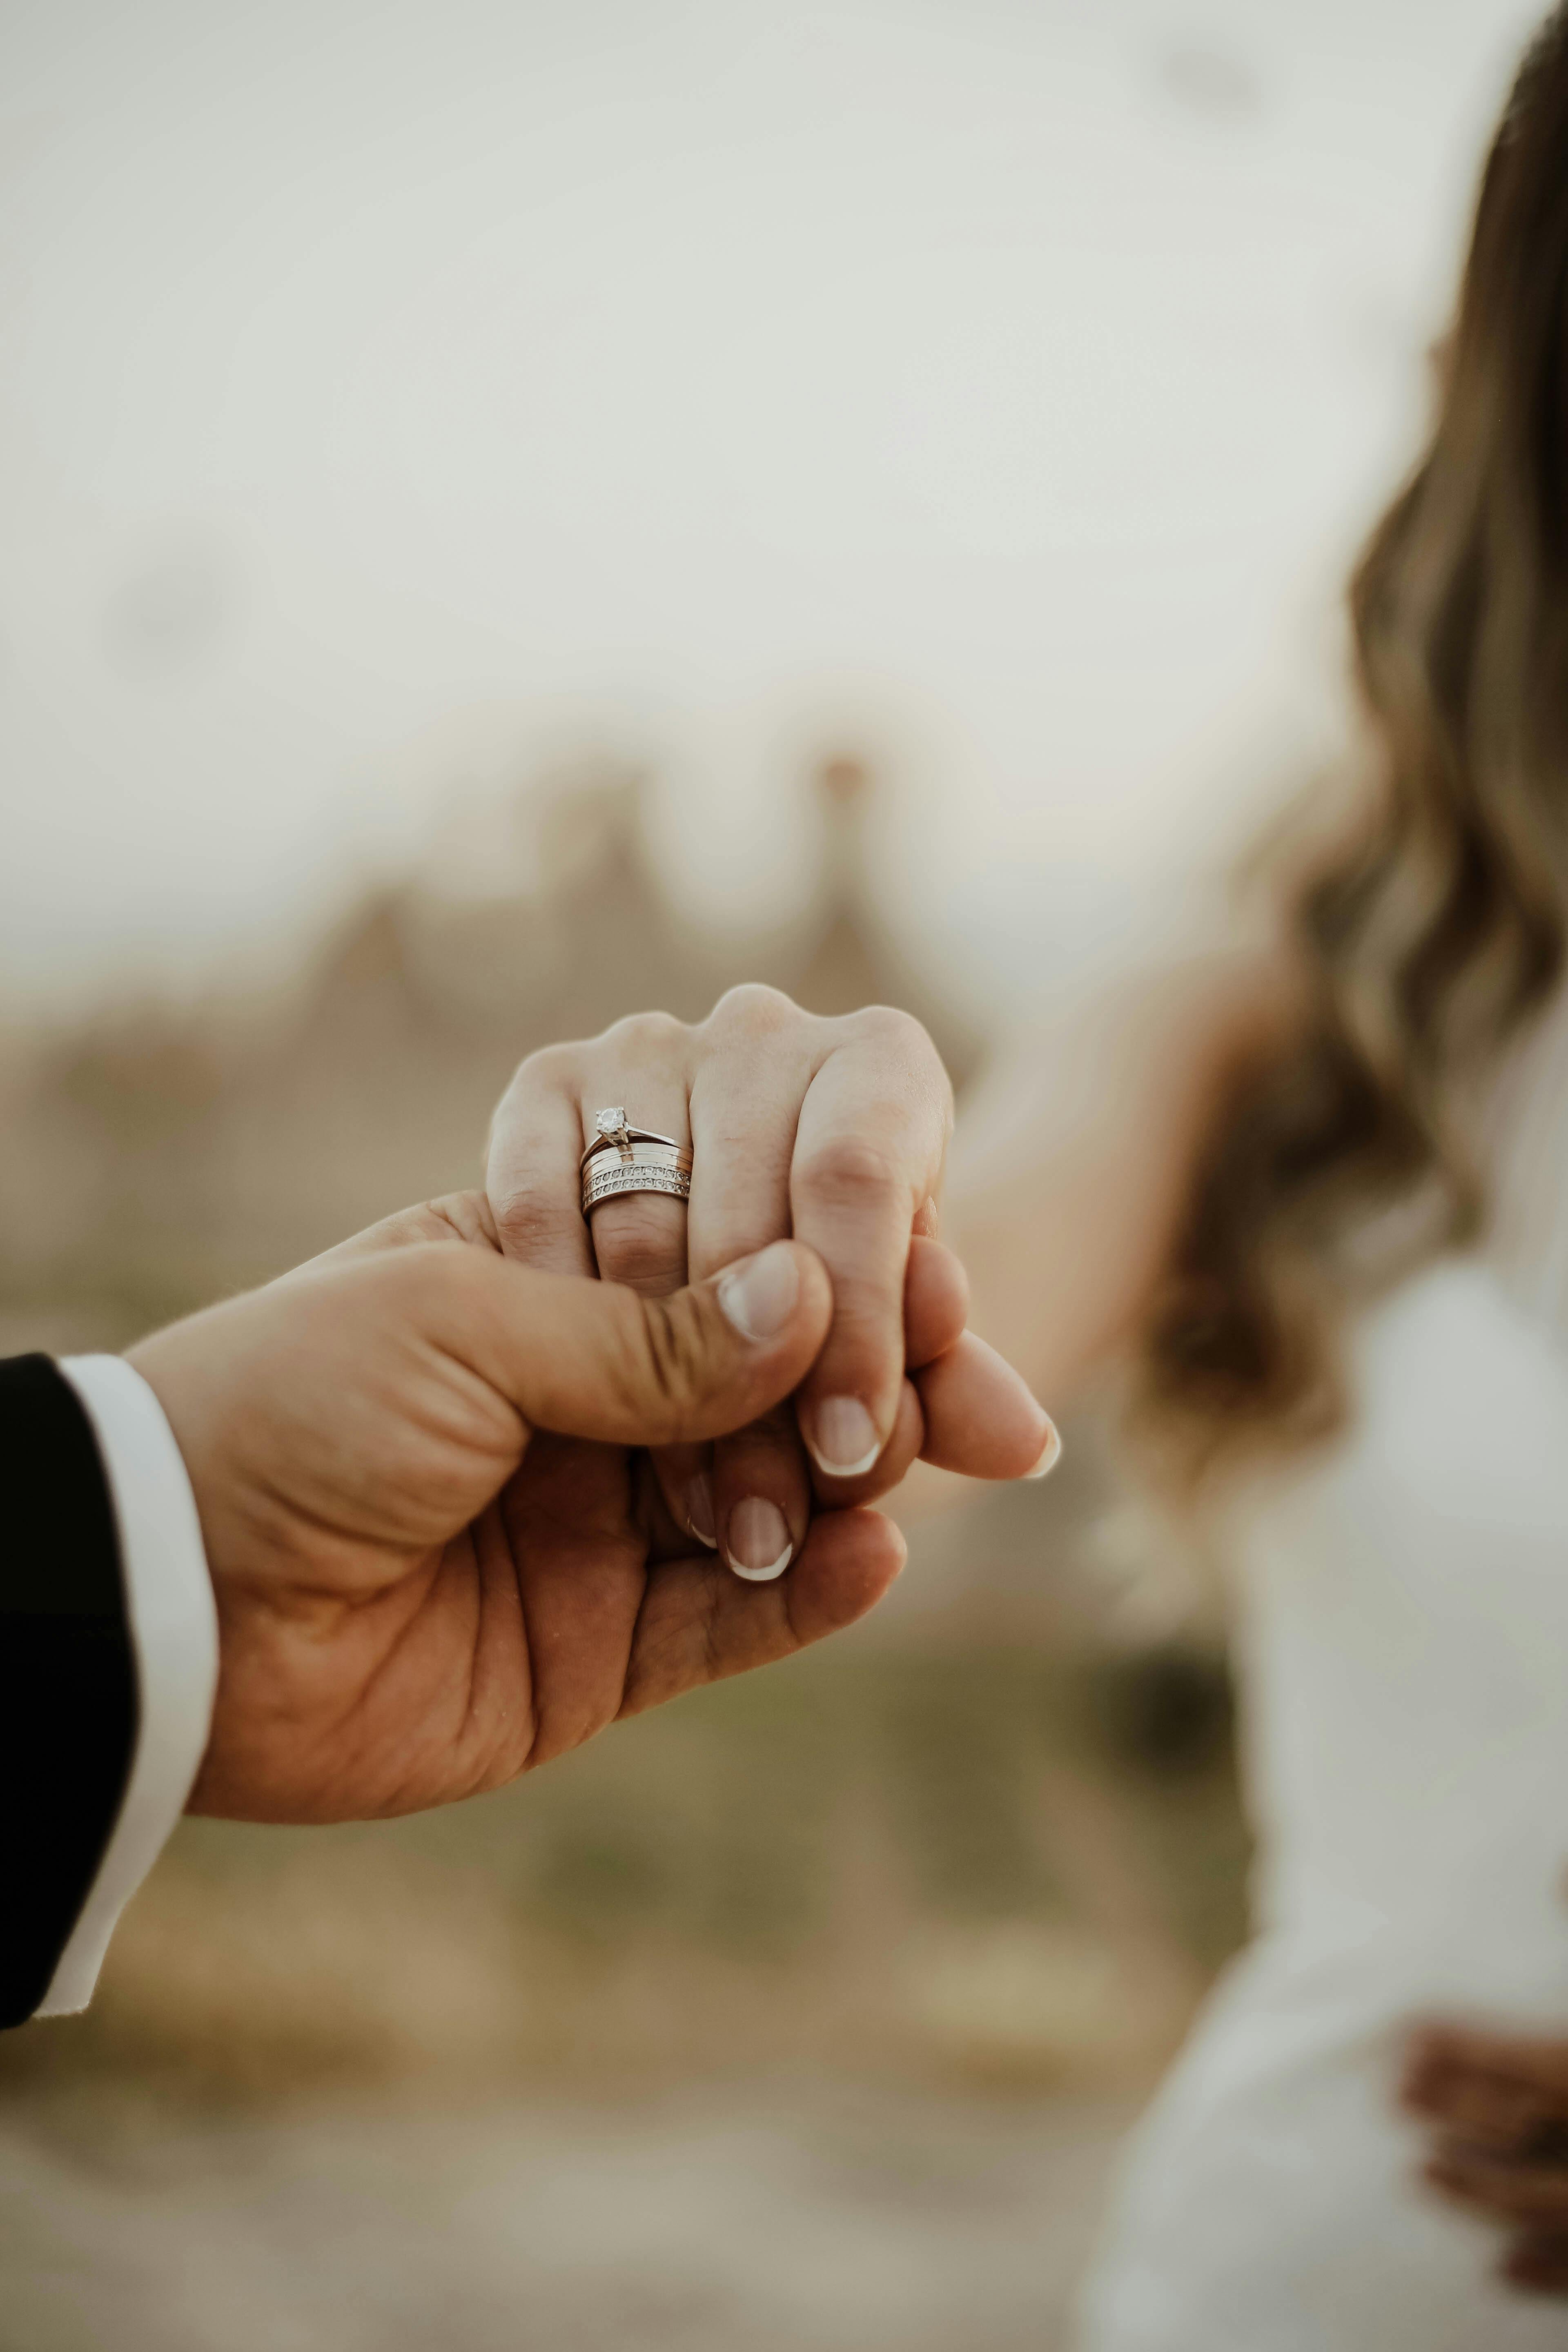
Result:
[{"x": 1429, "y": 942}]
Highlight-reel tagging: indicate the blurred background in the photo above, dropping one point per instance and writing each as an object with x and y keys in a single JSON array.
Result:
[{"x": 512, "y": 514}]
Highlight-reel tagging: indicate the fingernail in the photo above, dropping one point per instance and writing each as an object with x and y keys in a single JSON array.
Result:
[
  {"x": 1050, "y": 1455},
  {"x": 844, "y": 1437},
  {"x": 758, "y": 1548},
  {"x": 758, "y": 1295},
  {"x": 699, "y": 1510}
]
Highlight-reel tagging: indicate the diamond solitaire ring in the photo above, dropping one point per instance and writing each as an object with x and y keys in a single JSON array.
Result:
[
  {"x": 613, "y": 1132},
  {"x": 627, "y": 1158}
]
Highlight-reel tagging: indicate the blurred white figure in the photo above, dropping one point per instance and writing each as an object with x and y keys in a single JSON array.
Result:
[
  {"x": 1221, "y": 1172},
  {"x": 1402, "y": 1631}
]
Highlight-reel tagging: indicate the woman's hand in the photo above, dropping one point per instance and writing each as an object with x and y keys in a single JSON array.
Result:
[
  {"x": 1497, "y": 2107},
  {"x": 833, "y": 1131},
  {"x": 435, "y": 1558}
]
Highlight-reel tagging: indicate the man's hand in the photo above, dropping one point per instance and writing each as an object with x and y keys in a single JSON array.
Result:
[
  {"x": 1497, "y": 2105},
  {"x": 436, "y": 1562}
]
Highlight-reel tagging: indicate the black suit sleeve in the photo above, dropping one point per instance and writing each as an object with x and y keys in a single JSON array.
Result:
[{"x": 68, "y": 1675}]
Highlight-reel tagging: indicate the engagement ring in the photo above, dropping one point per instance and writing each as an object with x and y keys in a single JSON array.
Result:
[{"x": 627, "y": 1158}]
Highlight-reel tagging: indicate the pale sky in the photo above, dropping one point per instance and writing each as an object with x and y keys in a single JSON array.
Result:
[{"x": 393, "y": 392}]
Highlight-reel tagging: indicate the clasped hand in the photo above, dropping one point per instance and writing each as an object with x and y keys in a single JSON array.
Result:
[{"x": 463, "y": 1508}]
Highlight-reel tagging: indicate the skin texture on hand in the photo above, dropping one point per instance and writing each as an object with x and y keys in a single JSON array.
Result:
[
  {"x": 437, "y": 1557},
  {"x": 833, "y": 1131},
  {"x": 1496, "y": 2106}
]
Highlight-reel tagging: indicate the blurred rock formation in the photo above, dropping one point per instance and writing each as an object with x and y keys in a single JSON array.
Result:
[{"x": 155, "y": 1157}]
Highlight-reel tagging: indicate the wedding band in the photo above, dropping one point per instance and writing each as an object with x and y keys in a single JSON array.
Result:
[
  {"x": 648, "y": 1164},
  {"x": 612, "y": 1132}
]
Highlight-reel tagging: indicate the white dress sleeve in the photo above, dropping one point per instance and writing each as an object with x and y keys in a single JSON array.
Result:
[{"x": 173, "y": 1625}]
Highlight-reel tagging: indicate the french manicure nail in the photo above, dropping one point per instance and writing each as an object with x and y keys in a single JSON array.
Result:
[
  {"x": 759, "y": 1546},
  {"x": 758, "y": 1295},
  {"x": 699, "y": 1510},
  {"x": 1050, "y": 1455},
  {"x": 844, "y": 1437}
]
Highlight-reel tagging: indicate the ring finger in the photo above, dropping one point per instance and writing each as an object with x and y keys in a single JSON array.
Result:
[{"x": 641, "y": 1066}]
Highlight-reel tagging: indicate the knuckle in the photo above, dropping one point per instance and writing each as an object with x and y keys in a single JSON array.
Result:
[
  {"x": 649, "y": 1036},
  {"x": 897, "y": 1036},
  {"x": 549, "y": 1069},
  {"x": 893, "y": 1031},
  {"x": 755, "y": 1010},
  {"x": 849, "y": 1173}
]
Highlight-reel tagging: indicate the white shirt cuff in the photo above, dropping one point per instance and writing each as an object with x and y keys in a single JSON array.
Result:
[{"x": 173, "y": 1624}]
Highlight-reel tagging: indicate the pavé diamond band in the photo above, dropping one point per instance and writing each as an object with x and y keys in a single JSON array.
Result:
[{"x": 625, "y": 1158}]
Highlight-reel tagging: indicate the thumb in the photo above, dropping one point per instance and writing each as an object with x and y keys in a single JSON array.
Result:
[{"x": 596, "y": 1360}]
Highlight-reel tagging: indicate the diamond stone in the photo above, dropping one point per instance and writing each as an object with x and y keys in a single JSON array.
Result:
[{"x": 611, "y": 1122}]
